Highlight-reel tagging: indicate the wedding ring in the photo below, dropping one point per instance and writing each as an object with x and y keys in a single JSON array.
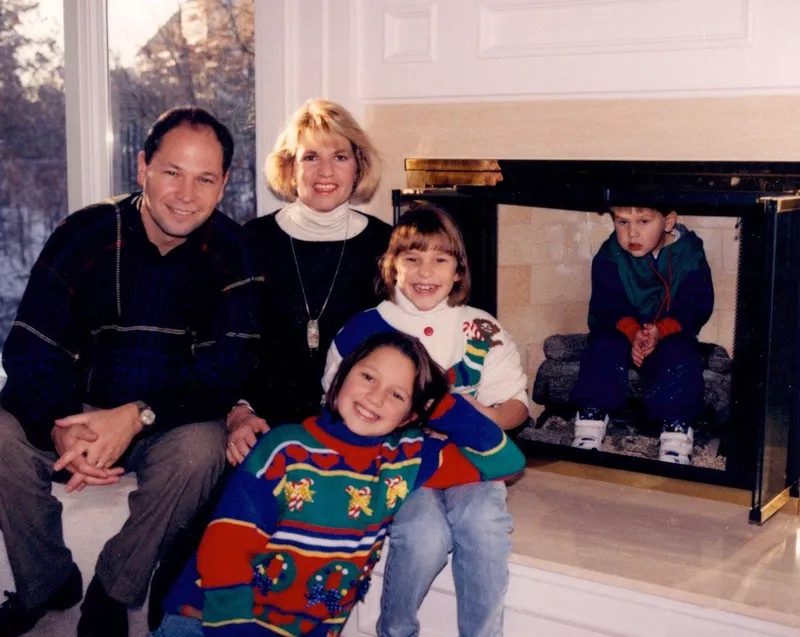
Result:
[{"x": 100, "y": 464}]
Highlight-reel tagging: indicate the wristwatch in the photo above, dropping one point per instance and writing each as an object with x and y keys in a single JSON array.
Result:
[{"x": 146, "y": 415}]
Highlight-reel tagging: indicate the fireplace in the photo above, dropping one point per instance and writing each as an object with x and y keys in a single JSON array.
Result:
[{"x": 747, "y": 214}]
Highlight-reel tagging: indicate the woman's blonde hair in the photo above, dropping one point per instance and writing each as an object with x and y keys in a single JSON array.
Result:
[
  {"x": 321, "y": 118},
  {"x": 425, "y": 227}
]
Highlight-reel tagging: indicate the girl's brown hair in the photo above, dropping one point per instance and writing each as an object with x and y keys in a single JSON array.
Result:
[
  {"x": 322, "y": 118},
  {"x": 426, "y": 227},
  {"x": 430, "y": 381}
]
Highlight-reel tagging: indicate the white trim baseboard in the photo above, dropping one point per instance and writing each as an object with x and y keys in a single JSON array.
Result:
[{"x": 544, "y": 602}]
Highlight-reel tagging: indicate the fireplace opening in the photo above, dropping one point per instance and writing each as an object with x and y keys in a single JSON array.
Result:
[{"x": 532, "y": 228}]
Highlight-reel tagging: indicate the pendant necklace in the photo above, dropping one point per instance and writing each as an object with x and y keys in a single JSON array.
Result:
[{"x": 312, "y": 327}]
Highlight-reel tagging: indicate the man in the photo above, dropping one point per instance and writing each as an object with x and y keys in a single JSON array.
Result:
[{"x": 133, "y": 339}]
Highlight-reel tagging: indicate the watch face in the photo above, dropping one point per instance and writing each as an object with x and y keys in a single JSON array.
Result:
[{"x": 147, "y": 416}]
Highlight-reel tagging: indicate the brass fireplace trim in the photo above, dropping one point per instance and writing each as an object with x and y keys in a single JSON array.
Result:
[
  {"x": 431, "y": 173},
  {"x": 779, "y": 178},
  {"x": 773, "y": 506}
]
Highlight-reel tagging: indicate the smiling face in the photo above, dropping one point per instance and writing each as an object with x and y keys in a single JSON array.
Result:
[
  {"x": 640, "y": 231},
  {"x": 181, "y": 185},
  {"x": 376, "y": 396},
  {"x": 325, "y": 171},
  {"x": 426, "y": 277}
]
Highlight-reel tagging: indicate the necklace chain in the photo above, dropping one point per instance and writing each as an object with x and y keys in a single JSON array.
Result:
[{"x": 312, "y": 329}]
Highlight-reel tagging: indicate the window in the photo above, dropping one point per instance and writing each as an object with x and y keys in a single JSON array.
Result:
[
  {"x": 166, "y": 53},
  {"x": 33, "y": 159}
]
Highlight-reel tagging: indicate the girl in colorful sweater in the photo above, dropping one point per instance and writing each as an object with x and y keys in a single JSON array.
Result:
[
  {"x": 301, "y": 524},
  {"x": 426, "y": 280}
]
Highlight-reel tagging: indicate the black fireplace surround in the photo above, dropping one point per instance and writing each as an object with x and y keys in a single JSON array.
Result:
[{"x": 764, "y": 197}]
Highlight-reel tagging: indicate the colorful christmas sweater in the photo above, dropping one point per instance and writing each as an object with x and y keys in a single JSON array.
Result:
[
  {"x": 301, "y": 524},
  {"x": 479, "y": 355}
]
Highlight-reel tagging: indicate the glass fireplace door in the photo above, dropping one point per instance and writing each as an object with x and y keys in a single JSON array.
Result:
[{"x": 774, "y": 390}]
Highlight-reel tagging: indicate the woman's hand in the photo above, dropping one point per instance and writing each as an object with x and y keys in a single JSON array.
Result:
[{"x": 244, "y": 428}]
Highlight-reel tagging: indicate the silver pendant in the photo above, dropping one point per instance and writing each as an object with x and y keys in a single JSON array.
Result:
[{"x": 312, "y": 334}]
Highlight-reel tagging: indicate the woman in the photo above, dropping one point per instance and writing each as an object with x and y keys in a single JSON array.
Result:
[{"x": 320, "y": 262}]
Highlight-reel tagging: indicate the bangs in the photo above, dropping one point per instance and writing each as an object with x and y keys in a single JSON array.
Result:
[
  {"x": 317, "y": 134},
  {"x": 317, "y": 129},
  {"x": 636, "y": 211},
  {"x": 411, "y": 238}
]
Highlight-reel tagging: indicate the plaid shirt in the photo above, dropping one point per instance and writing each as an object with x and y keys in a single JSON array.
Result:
[{"x": 106, "y": 320}]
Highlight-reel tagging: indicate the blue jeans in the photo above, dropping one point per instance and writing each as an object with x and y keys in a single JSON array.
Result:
[
  {"x": 177, "y": 626},
  {"x": 471, "y": 521}
]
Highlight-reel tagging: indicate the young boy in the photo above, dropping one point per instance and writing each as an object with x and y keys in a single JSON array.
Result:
[{"x": 651, "y": 294}]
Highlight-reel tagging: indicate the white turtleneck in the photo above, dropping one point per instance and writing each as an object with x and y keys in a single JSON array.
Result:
[
  {"x": 443, "y": 324},
  {"x": 445, "y": 332},
  {"x": 304, "y": 223}
]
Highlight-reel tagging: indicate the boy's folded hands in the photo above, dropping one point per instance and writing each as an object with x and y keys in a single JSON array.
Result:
[{"x": 644, "y": 343}]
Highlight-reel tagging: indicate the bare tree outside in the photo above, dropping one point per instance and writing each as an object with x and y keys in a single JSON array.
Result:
[
  {"x": 202, "y": 55},
  {"x": 33, "y": 160}
]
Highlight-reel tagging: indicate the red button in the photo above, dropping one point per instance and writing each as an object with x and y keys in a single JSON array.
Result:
[{"x": 428, "y": 331}]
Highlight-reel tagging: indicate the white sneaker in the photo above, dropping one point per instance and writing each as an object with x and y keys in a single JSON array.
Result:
[
  {"x": 589, "y": 434},
  {"x": 677, "y": 447}
]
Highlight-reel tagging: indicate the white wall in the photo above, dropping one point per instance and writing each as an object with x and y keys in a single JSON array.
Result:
[
  {"x": 378, "y": 51},
  {"x": 420, "y": 49}
]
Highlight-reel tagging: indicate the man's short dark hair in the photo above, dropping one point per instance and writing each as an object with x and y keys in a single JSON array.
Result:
[{"x": 192, "y": 116}]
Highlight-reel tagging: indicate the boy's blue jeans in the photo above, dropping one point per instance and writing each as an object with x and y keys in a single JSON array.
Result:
[
  {"x": 473, "y": 522},
  {"x": 177, "y": 626}
]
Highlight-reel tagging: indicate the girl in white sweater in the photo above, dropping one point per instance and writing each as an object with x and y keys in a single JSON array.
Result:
[{"x": 425, "y": 277}]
